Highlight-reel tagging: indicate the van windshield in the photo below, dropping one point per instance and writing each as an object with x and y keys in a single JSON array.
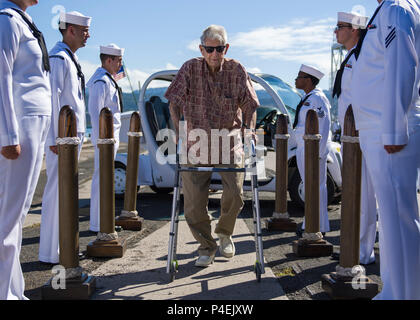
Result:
[{"x": 289, "y": 95}]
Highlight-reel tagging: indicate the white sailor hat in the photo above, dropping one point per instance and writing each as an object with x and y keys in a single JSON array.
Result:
[
  {"x": 76, "y": 18},
  {"x": 358, "y": 22},
  {"x": 312, "y": 71},
  {"x": 112, "y": 50}
]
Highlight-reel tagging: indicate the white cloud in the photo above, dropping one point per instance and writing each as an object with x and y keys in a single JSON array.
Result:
[
  {"x": 88, "y": 68},
  {"x": 253, "y": 69},
  {"x": 194, "y": 45},
  {"x": 300, "y": 41},
  {"x": 134, "y": 74},
  {"x": 170, "y": 66}
]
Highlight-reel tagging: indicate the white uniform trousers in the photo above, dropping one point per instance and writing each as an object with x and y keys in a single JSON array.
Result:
[
  {"x": 394, "y": 179},
  {"x": 368, "y": 218},
  {"x": 324, "y": 223},
  {"x": 17, "y": 187},
  {"x": 95, "y": 192},
  {"x": 49, "y": 234}
]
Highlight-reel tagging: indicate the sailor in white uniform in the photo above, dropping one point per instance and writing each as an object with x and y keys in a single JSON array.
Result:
[
  {"x": 386, "y": 102},
  {"x": 67, "y": 88},
  {"x": 314, "y": 99},
  {"x": 348, "y": 30},
  {"x": 25, "y": 114},
  {"x": 104, "y": 92}
]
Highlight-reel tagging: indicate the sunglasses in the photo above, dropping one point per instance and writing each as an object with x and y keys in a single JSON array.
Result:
[
  {"x": 339, "y": 27},
  {"x": 219, "y": 49}
]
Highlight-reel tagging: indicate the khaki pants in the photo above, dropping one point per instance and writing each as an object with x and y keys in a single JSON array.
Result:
[{"x": 195, "y": 187}]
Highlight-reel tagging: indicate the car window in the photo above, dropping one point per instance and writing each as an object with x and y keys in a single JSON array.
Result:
[
  {"x": 289, "y": 95},
  {"x": 157, "y": 88},
  {"x": 263, "y": 96}
]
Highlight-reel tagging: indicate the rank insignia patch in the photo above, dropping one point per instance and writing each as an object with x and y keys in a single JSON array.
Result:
[{"x": 321, "y": 113}]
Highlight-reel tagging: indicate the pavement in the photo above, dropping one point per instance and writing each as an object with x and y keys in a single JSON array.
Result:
[
  {"x": 141, "y": 273},
  {"x": 145, "y": 276}
]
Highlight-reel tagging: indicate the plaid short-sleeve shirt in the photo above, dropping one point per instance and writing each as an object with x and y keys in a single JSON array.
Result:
[{"x": 224, "y": 100}]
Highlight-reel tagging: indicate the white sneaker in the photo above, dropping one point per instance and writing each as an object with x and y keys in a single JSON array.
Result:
[
  {"x": 204, "y": 261},
  {"x": 226, "y": 247}
]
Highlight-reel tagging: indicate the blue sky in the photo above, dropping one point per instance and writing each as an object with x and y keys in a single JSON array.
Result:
[{"x": 270, "y": 36}]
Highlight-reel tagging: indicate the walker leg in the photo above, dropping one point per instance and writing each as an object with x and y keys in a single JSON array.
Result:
[
  {"x": 259, "y": 267},
  {"x": 172, "y": 263}
]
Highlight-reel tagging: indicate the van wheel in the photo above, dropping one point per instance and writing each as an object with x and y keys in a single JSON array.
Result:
[
  {"x": 297, "y": 190},
  {"x": 119, "y": 180}
]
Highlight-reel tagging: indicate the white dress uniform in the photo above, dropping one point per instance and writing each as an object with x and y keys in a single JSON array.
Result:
[
  {"x": 368, "y": 210},
  {"x": 316, "y": 100},
  {"x": 102, "y": 93},
  {"x": 25, "y": 114},
  {"x": 67, "y": 87},
  {"x": 386, "y": 101}
]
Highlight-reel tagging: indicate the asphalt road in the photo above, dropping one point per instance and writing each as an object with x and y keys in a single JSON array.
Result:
[{"x": 299, "y": 277}]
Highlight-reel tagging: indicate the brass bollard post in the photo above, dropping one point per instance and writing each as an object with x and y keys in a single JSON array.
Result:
[
  {"x": 312, "y": 244},
  {"x": 280, "y": 220},
  {"x": 350, "y": 279},
  {"x": 75, "y": 284},
  {"x": 129, "y": 219},
  {"x": 107, "y": 243}
]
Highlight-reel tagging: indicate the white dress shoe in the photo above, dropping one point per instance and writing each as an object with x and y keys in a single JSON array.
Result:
[
  {"x": 204, "y": 261},
  {"x": 226, "y": 247}
]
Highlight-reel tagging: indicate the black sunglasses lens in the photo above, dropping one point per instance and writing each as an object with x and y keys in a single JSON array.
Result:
[
  {"x": 219, "y": 49},
  {"x": 209, "y": 49}
]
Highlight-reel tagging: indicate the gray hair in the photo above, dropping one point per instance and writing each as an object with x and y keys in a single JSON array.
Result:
[{"x": 214, "y": 32}]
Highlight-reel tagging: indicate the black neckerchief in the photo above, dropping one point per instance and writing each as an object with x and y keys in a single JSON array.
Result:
[
  {"x": 339, "y": 76},
  {"x": 120, "y": 95},
  {"x": 41, "y": 41},
  {"x": 364, "y": 32},
  {"x": 298, "y": 110},
  {"x": 80, "y": 74}
]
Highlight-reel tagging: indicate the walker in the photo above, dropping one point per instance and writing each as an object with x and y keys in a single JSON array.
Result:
[{"x": 172, "y": 262}]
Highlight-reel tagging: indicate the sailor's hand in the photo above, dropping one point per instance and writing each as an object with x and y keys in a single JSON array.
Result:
[
  {"x": 394, "y": 149},
  {"x": 54, "y": 149},
  {"x": 11, "y": 152}
]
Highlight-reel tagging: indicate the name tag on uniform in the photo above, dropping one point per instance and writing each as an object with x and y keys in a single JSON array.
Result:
[
  {"x": 307, "y": 104},
  {"x": 349, "y": 66},
  {"x": 371, "y": 26}
]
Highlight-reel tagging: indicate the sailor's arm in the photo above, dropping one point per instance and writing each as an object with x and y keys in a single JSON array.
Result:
[
  {"x": 9, "y": 128},
  {"x": 97, "y": 97},
  {"x": 57, "y": 80},
  {"x": 400, "y": 71}
]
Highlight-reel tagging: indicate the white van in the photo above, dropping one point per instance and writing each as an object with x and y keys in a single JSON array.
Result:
[{"x": 154, "y": 112}]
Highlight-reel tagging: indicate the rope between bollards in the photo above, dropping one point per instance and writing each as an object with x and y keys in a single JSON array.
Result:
[
  {"x": 281, "y": 136},
  {"x": 350, "y": 139},
  {"x": 68, "y": 140},
  {"x": 106, "y": 141},
  {"x": 312, "y": 137},
  {"x": 135, "y": 134}
]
